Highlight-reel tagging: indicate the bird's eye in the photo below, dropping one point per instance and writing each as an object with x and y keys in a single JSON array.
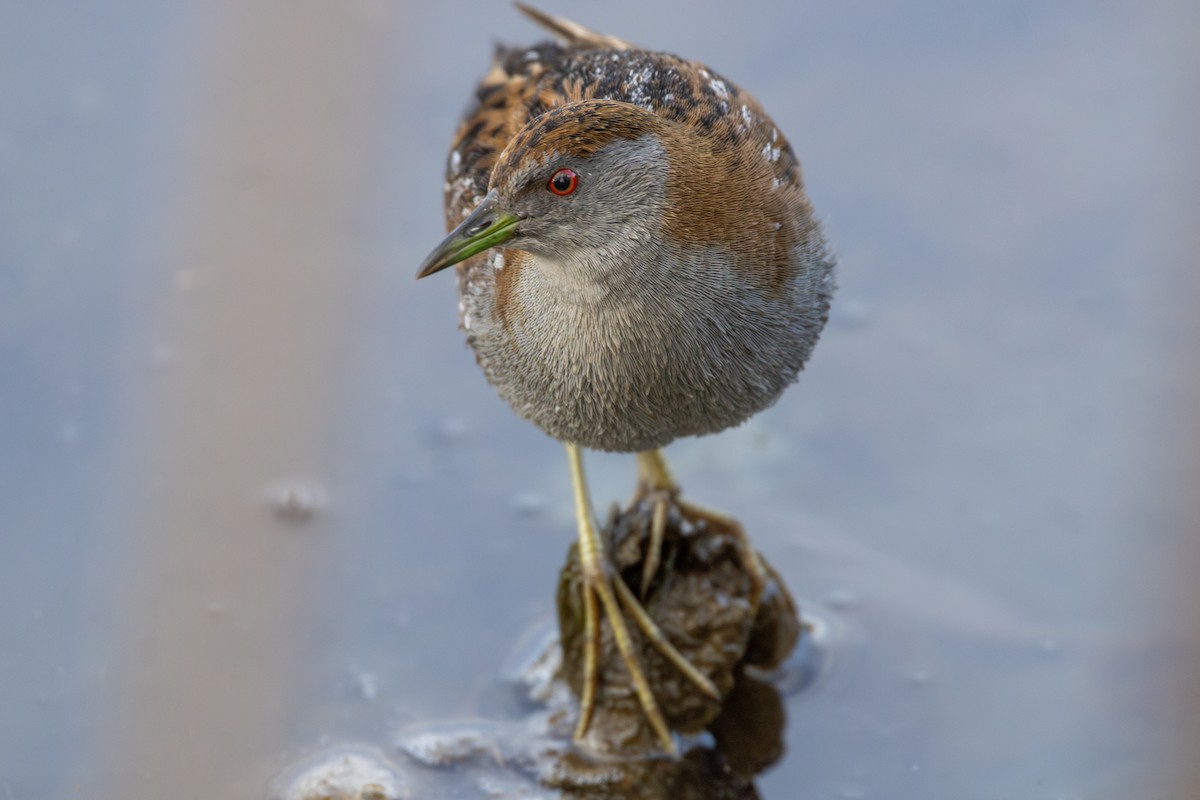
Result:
[{"x": 563, "y": 182}]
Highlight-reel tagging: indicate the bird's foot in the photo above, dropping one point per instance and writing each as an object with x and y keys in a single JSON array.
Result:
[
  {"x": 600, "y": 583},
  {"x": 602, "y": 586}
]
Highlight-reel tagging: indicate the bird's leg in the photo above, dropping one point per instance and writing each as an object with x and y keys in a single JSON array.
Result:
[
  {"x": 655, "y": 478},
  {"x": 598, "y": 580}
]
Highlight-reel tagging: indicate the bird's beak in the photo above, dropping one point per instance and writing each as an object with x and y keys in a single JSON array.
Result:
[{"x": 487, "y": 226}]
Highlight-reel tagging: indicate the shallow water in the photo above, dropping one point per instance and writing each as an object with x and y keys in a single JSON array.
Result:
[{"x": 957, "y": 486}]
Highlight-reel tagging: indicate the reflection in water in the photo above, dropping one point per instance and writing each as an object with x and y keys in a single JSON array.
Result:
[
  {"x": 532, "y": 756},
  {"x": 746, "y": 738}
]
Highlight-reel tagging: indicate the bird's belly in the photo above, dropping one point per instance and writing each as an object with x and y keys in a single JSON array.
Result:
[{"x": 635, "y": 379}]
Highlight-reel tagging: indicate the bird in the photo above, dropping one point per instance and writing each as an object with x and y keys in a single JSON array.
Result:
[{"x": 637, "y": 262}]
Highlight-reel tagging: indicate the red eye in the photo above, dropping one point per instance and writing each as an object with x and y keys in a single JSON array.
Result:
[{"x": 563, "y": 182}]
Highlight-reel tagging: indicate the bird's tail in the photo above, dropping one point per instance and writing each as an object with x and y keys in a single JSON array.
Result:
[{"x": 572, "y": 33}]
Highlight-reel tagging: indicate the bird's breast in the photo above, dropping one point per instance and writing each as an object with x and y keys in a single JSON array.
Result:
[{"x": 631, "y": 365}]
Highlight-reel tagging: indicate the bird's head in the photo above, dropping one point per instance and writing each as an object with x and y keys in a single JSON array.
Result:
[{"x": 579, "y": 184}]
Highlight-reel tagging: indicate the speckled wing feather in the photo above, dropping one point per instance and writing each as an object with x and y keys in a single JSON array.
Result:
[{"x": 525, "y": 83}]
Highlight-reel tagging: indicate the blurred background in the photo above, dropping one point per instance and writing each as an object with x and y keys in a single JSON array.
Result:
[{"x": 256, "y": 498}]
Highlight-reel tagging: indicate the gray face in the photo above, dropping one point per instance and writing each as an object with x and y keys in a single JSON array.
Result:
[{"x": 615, "y": 207}]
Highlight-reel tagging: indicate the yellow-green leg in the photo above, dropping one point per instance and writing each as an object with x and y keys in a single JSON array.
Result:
[
  {"x": 654, "y": 478},
  {"x": 599, "y": 581}
]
